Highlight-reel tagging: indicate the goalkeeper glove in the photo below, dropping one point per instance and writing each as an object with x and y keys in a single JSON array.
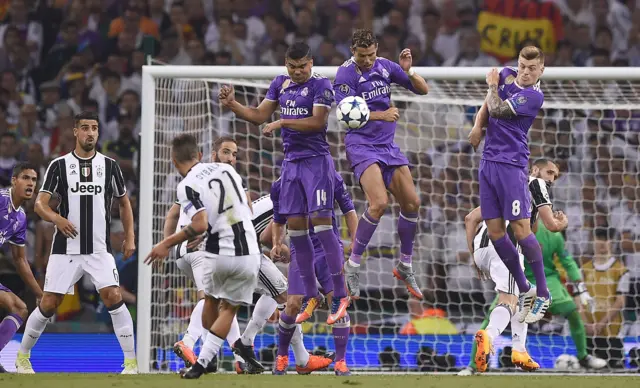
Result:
[{"x": 585, "y": 299}]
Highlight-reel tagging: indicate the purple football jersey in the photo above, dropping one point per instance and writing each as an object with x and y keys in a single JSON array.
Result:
[
  {"x": 13, "y": 222},
  {"x": 297, "y": 102},
  {"x": 374, "y": 86},
  {"x": 506, "y": 139}
]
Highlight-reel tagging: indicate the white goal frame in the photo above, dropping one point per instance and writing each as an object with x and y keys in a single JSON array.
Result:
[{"x": 151, "y": 73}]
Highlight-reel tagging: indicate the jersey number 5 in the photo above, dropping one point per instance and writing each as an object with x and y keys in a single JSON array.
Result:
[{"x": 221, "y": 208}]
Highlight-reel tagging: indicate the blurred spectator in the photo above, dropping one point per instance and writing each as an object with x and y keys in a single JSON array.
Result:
[
  {"x": 158, "y": 15},
  {"x": 124, "y": 149},
  {"x": 469, "y": 53},
  {"x": 18, "y": 17},
  {"x": 180, "y": 22},
  {"x": 172, "y": 51},
  {"x": 305, "y": 30},
  {"x": 8, "y": 153},
  {"x": 133, "y": 20}
]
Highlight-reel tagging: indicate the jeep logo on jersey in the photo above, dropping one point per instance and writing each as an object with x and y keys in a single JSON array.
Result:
[{"x": 87, "y": 188}]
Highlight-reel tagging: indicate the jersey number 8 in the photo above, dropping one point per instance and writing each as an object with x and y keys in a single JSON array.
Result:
[{"x": 515, "y": 208}]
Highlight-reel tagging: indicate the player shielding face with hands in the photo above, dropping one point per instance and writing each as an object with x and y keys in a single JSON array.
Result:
[
  {"x": 308, "y": 171},
  {"x": 211, "y": 196},
  {"x": 85, "y": 182},
  {"x": 376, "y": 161},
  {"x": 512, "y": 104}
]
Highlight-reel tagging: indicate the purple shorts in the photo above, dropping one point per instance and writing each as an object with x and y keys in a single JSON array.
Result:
[
  {"x": 387, "y": 156},
  {"x": 504, "y": 191},
  {"x": 323, "y": 275},
  {"x": 307, "y": 185},
  {"x": 5, "y": 289}
]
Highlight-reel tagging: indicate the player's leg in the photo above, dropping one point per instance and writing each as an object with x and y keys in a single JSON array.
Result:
[
  {"x": 340, "y": 331},
  {"x": 319, "y": 184},
  {"x": 404, "y": 191},
  {"x": 63, "y": 272},
  {"x": 101, "y": 268},
  {"x": 233, "y": 337},
  {"x": 17, "y": 313},
  {"x": 191, "y": 264},
  {"x": 370, "y": 178},
  {"x": 471, "y": 368}
]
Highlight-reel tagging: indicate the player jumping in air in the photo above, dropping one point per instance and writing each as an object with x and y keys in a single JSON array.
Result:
[
  {"x": 307, "y": 172},
  {"x": 13, "y": 229},
  {"x": 377, "y": 162},
  {"x": 512, "y": 104},
  {"x": 85, "y": 182},
  {"x": 211, "y": 196},
  {"x": 192, "y": 262},
  {"x": 304, "y": 363},
  {"x": 543, "y": 173}
]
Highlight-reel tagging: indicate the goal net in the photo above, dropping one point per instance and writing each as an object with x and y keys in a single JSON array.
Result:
[{"x": 589, "y": 125}]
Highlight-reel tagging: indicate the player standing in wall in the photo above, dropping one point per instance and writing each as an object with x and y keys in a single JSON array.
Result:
[
  {"x": 211, "y": 196},
  {"x": 13, "y": 229},
  {"x": 308, "y": 170},
  {"x": 376, "y": 161},
  {"x": 543, "y": 173},
  {"x": 512, "y": 104},
  {"x": 85, "y": 182}
]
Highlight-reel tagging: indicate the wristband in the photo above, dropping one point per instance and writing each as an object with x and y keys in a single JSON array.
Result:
[
  {"x": 579, "y": 288},
  {"x": 411, "y": 72}
]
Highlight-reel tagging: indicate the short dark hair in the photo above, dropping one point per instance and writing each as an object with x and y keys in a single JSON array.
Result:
[
  {"x": 223, "y": 139},
  {"x": 604, "y": 233},
  {"x": 84, "y": 115},
  {"x": 532, "y": 52},
  {"x": 184, "y": 148},
  {"x": 363, "y": 38},
  {"x": 543, "y": 162},
  {"x": 20, "y": 167},
  {"x": 298, "y": 50}
]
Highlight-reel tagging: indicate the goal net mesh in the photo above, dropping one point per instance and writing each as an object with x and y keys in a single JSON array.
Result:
[{"x": 590, "y": 128}]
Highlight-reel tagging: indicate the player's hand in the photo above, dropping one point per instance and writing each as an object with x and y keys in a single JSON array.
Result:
[
  {"x": 193, "y": 244},
  {"x": 226, "y": 95},
  {"x": 348, "y": 248},
  {"x": 271, "y": 127},
  {"x": 128, "y": 247},
  {"x": 493, "y": 77},
  {"x": 157, "y": 254},
  {"x": 562, "y": 218},
  {"x": 405, "y": 60},
  {"x": 475, "y": 137},
  {"x": 588, "y": 301},
  {"x": 481, "y": 274},
  {"x": 66, "y": 227},
  {"x": 391, "y": 115},
  {"x": 598, "y": 328},
  {"x": 276, "y": 252}
]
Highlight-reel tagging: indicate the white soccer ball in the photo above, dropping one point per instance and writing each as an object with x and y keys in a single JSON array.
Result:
[
  {"x": 567, "y": 363},
  {"x": 353, "y": 112}
]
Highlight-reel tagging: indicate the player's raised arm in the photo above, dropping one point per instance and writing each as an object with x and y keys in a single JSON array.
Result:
[
  {"x": 171, "y": 220},
  {"x": 407, "y": 77},
  {"x": 554, "y": 222},
  {"x": 126, "y": 213},
  {"x": 480, "y": 123},
  {"x": 256, "y": 116}
]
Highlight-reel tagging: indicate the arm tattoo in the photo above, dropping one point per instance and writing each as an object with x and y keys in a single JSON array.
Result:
[
  {"x": 497, "y": 108},
  {"x": 188, "y": 230}
]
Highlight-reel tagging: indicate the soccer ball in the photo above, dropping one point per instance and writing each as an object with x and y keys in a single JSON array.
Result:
[
  {"x": 353, "y": 112},
  {"x": 567, "y": 363}
]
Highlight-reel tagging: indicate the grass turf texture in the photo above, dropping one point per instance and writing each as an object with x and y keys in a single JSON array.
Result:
[{"x": 314, "y": 381}]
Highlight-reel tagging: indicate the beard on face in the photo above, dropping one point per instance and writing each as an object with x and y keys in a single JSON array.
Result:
[{"x": 88, "y": 146}]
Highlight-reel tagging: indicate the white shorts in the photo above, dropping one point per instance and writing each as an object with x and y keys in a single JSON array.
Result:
[
  {"x": 489, "y": 262},
  {"x": 271, "y": 281},
  {"x": 232, "y": 278},
  {"x": 196, "y": 265},
  {"x": 64, "y": 271}
]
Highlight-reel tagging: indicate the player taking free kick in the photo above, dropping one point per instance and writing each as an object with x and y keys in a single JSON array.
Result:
[
  {"x": 512, "y": 104},
  {"x": 307, "y": 171},
  {"x": 376, "y": 161}
]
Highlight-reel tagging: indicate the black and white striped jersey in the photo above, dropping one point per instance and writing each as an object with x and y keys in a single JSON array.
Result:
[
  {"x": 539, "y": 197},
  {"x": 217, "y": 188},
  {"x": 86, "y": 188}
]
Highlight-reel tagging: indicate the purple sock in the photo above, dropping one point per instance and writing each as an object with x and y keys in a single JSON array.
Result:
[
  {"x": 407, "y": 223},
  {"x": 509, "y": 256},
  {"x": 341, "y": 337},
  {"x": 335, "y": 258},
  {"x": 366, "y": 227},
  {"x": 8, "y": 327},
  {"x": 532, "y": 252},
  {"x": 304, "y": 258},
  {"x": 286, "y": 328}
]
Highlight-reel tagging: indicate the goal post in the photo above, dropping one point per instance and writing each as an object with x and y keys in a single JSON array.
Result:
[{"x": 432, "y": 131}]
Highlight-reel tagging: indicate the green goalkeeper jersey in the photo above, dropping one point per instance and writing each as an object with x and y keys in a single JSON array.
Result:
[{"x": 552, "y": 244}]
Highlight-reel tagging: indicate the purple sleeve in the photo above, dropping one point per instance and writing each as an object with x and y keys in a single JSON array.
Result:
[
  {"x": 323, "y": 93},
  {"x": 399, "y": 77},
  {"x": 275, "y": 199},
  {"x": 526, "y": 102},
  {"x": 341, "y": 194},
  {"x": 20, "y": 236},
  {"x": 272, "y": 93},
  {"x": 344, "y": 84}
]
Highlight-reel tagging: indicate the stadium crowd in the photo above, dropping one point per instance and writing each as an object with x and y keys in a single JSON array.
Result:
[{"x": 60, "y": 57}]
